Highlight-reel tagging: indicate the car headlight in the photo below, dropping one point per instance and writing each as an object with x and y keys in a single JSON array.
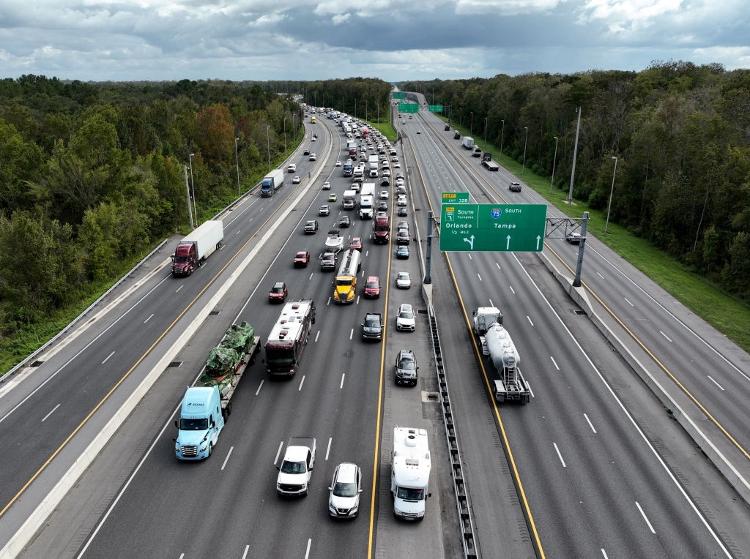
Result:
[{"x": 332, "y": 509}]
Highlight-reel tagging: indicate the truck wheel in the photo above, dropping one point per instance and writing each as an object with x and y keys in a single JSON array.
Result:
[{"x": 210, "y": 450}]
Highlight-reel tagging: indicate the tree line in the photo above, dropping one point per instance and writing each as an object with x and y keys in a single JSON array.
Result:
[
  {"x": 92, "y": 174},
  {"x": 680, "y": 132}
]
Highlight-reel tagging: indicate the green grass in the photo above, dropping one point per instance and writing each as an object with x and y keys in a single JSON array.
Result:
[
  {"x": 724, "y": 312},
  {"x": 13, "y": 349}
]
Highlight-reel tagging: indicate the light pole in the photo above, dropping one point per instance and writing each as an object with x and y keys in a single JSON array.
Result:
[
  {"x": 355, "y": 108},
  {"x": 554, "y": 159},
  {"x": 284, "y": 121},
  {"x": 294, "y": 124},
  {"x": 192, "y": 186},
  {"x": 575, "y": 157},
  {"x": 268, "y": 143},
  {"x": 526, "y": 128},
  {"x": 471, "y": 122},
  {"x": 502, "y": 130},
  {"x": 485, "y": 130},
  {"x": 237, "y": 163},
  {"x": 611, "y": 192},
  {"x": 365, "y": 109}
]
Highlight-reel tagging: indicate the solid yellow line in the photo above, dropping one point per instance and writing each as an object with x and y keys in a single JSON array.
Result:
[
  {"x": 661, "y": 365},
  {"x": 376, "y": 453},
  {"x": 106, "y": 397},
  {"x": 478, "y": 355}
]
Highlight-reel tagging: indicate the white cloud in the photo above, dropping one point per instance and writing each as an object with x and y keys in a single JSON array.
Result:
[
  {"x": 731, "y": 57},
  {"x": 505, "y": 7},
  {"x": 338, "y": 19},
  {"x": 624, "y": 15}
]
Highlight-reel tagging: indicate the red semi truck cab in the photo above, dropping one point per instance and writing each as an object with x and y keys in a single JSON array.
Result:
[
  {"x": 185, "y": 259},
  {"x": 381, "y": 228}
]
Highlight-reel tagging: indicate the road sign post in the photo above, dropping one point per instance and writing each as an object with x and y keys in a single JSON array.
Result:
[{"x": 492, "y": 227}]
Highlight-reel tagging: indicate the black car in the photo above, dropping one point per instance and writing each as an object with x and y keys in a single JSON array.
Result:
[
  {"x": 385, "y": 182},
  {"x": 372, "y": 327},
  {"x": 402, "y": 237},
  {"x": 447, "y": 127},
  {"x": 344, "y": 221},
  {"x": 401, "y": 212},
  {"x": 382, "y": 206},
  {"x": 406, "y": 368},
  {"x": 306, "y": 152},
  {"x": 514, "y": 186},
  {"x": 456, "y": 135}
]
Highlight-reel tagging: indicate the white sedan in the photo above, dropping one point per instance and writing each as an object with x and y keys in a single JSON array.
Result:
[
  {"x": 401, "y": 201},
  {"x": 326, "y": 186},
  {"x": 384, "y": 195},
  {"x": 405, "y": 321},
  {"x": 397, "y": 165},
  {"x": 338, "y": 163},
  {"x": 403, "y": 280},
  {"x": 296, "y": 179}
]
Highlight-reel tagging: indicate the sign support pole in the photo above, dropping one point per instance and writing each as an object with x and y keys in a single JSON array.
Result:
[
  {"x": 581, "y": 246},
  {"x": 428, "y": 258}
]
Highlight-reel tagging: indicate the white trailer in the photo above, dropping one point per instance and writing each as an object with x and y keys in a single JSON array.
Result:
[
  {"x": 410, "y": 472},
  {"x": 511, "y": 386},
  {"x": 271, "y": 183},
  {"x": 373, "y": 162},
  {"x": 468, "y": 142}
]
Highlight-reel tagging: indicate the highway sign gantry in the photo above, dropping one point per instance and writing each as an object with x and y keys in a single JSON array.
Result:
[
  {"x": 492, "y": 227},
  {"x": 435, "y": 108}
]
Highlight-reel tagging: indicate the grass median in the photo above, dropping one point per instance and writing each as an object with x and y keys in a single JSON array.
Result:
[{"x": 726, "y": 313}]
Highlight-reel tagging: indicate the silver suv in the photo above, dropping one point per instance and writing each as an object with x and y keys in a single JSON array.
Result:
[{"x": 406, "y": 368}]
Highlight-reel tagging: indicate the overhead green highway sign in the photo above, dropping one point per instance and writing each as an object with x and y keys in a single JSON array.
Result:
[
  {"x": 399, "y": 95},
  {"x": 436, "y": 108},
  {"x": 492, "y": 227},
  {"x": 408, "y": 108},
  {"x": 454, "y": 197}
]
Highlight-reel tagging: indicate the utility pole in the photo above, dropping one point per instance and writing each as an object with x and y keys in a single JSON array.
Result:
[
  {"x": 237, "y": 163},
  {"x": 485, "y": 130},
  {"x": 189, "y": 204},
  {"x": 192, "y": 186},
  {"x": 611, "y": 192},
  {"x": 575, "y": 155},
  {"x": 471, "y": 125},
  {"x": 365, "y": 109},
  {"x": 554, "y": 159},
  {"x": 268, "y": 143},
  {"x": 526, "y": 138}
]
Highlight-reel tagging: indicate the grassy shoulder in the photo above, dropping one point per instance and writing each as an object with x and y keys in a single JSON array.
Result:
[
  {"x": 724, "y": 312},
  {"x": 13, "y": 349},
  {"x": 385, "y": 127}
]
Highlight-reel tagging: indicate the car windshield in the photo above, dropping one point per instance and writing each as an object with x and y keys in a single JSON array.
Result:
[
  {"x": 408, "y": 494},
  {"x": 345, "y": 489},
  {"x": 406, "y": 364},
  {"x": 403, "y": 276},
  {"x": 292, "y": 467},
  {"x": 371, "y": 322},
  {"x": 343, "y": 281},
  {"x": 180, "y": 259},
  {"x": 277, "y": 289},
  {"x": 193, "y": 424},
  {"x": 406, "y": 314},
  {"x": 372, "y": 284}
]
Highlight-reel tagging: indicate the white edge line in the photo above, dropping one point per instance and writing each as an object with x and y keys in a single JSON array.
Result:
[{"x": 260, "y": 386}]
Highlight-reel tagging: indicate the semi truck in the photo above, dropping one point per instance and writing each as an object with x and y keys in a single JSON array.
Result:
[
  {"x": 488, "y": 163},
  {"x": 345, "y": 283},
  {"x": 296, "y": 467},
  {"x": 410, "y": 472},
  {"x": 194, "y": 249},
  {"x": 348, "y": 168},
  {"x": 271, "y": 183},
  {"x": 468, "y": 142},
  {"x": 373, "y": 161},
  {"x": 288, "y": 338},
  {"x": 497, "y": 344},
  {"x": 206, "y": 406},
  {"x": 365, "y": 206}
]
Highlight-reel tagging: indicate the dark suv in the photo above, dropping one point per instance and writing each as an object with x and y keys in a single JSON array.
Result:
[
  {"x": 372, "y": 327},
  {"x": 406, "y": 368}
]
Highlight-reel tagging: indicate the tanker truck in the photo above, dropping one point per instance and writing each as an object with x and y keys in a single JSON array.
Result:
[{"x": 497, "y": 344}]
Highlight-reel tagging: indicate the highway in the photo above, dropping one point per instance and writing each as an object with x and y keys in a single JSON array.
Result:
[
  {"x": 591, "y": 467},
  {"x": 574, "y": 443},
  {"x": 227, "y": 506}
]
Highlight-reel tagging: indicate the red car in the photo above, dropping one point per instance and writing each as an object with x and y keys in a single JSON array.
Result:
[
  {"x": 278, "y": 292},
  {"x": 356, "y": 244},
  {"x": 372, "y": 287},
  {"x": 302, "y": 259}
]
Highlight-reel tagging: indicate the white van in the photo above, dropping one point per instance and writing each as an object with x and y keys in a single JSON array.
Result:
[{"x": 292, "y": 168}]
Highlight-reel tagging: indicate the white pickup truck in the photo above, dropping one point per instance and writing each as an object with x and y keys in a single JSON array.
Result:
[{"x": 296, "y": 467}]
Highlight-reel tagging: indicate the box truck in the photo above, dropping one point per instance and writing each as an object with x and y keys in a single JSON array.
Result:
[{"x": 271, "y": 183}]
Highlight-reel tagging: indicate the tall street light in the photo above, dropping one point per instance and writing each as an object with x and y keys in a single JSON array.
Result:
[
  {"x": 471, "y": 125},
  {"x": 237, "y": 163},
  {"x": 611, "y": 192},
  {"x": 192, "y": 186},
  {"x": 284, "y": 121},
  {"x": 554, "y": 160},
  {"x": 502, "y": 130},
  {"x": 268, "y": 143},
  {"x": 485, "y": 130},
  {"x": 526, "y": 138}
]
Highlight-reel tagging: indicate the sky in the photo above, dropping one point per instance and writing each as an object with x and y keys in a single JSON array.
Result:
[{"x": 389, "y": 39}]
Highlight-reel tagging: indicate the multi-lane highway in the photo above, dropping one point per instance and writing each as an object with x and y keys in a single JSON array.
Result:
[
  {"x": 575, "y": 444},
  {"x": 591, "y": 467}
]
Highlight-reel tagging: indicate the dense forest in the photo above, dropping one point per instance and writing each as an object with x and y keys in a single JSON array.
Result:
[
  {"x": 681, "y": 134},
  {"x": 92, "y": 175}
]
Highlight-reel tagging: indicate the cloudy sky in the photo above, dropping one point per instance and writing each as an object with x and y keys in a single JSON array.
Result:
[{"x": 390, "y": 39}]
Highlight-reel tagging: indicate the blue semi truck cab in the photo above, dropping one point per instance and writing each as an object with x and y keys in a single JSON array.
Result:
[{"x": 199, "y": 424}]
